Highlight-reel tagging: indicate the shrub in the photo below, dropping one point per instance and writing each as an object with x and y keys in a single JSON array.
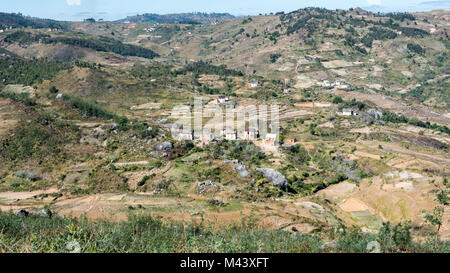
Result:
[
  {"x": 415, "y": 48},
  {"x": 393, "y": 238},
  {"x": 338, "y": 100},
  {"x": 53, "y": 90}
]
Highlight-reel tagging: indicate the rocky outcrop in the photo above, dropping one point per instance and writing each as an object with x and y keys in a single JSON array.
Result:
[
  {"x": 240, "y": 168},
  {"x": 165, "y": 146},
  {"x": 43, "y": 213},
  {"x": 99, "y": 132},
  {"x": 207, "y": 186},
  {"x": 274, "y": 177},
  {"x": 30, "y": 175},
  {"x": 310, "y": 205}
]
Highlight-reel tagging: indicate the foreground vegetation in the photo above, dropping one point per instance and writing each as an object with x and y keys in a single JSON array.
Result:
[{"x": 146, "y": 234}]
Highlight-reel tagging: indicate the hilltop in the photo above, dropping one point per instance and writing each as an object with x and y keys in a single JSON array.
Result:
[
  {"x": 12, "y": 20},
  {"x": 178, "y": 18}
]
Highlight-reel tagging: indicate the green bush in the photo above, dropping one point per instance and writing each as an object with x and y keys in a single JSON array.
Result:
[
  {"x": 415, "y": 48},
  {"x": 19, "y": 97},
  {"x": 338, "y": 100}
]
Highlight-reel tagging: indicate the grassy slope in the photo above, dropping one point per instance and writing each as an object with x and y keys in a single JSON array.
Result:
[{"x": 144, "y": 234}]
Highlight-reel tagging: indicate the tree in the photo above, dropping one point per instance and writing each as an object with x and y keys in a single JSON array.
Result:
[
  {"x": 435, "y": 217},
  {"x": 274, "y": 57},
  {"x": 53, "y": 90},
  {"x": 337, "y": 100},
  {"x": 395, "y": 237}
]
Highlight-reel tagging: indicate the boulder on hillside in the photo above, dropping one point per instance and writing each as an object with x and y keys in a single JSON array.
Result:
[
  {"x": 43, "y": 213},
  {"x": 207, "y": 186},
  {"x": 99, "y": 132},
  {"x": 165, "y": 146},
  {"x": 274, "y": 177},
  {"x": 31, "y": 175},
  {"x": 240, "y": 168}
]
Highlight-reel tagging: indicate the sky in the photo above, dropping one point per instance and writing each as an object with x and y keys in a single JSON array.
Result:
[{"x": 77, "y": 10}]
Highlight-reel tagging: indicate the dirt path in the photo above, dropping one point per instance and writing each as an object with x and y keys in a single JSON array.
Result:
[
  {"x": 124, "y": 164},
  {"x": 25, "y": 195},
  {"x": 442, "y": 160},
  {"x": 389, "y": 103}
]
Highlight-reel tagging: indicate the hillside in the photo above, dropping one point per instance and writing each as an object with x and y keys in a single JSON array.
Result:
[{"x": 86, "y": 115}]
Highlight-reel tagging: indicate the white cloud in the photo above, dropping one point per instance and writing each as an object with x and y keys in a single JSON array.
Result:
[
  {"x": 73, "y": 2},
  {"x": 374, "y": 2}
]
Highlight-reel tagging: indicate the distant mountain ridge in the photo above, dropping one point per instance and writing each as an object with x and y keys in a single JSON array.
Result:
[
  {"x": 18, "y": 20},
  {"x": 197, "y": 17}
]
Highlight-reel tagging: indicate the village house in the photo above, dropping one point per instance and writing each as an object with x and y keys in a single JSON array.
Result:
[
  {"x": 342, "y": 85},
  {"x": 289, "y": 140},
  {"x": 348, "y": 112},
  {"x": 254, "y": 84},
  {"x": 326, "y": 83},
  {"x": 223, "y": 99},
  {"x": 270, "y": 139},
  {"x": 251, "y": 134},
  {"x": 338, "y": 84},
  {"x": 229, "y": 133},
  {"x": 207, "y": 137},
  {"x": 184, "y": 135}
]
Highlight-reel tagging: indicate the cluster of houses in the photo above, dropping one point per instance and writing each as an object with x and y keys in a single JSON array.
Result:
[
  {"x": 250, "y": 134},
  {"x": 338, "y": 84},
  {"x": 5, "y": 28},
  {"x": 150, "y": 29}
]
